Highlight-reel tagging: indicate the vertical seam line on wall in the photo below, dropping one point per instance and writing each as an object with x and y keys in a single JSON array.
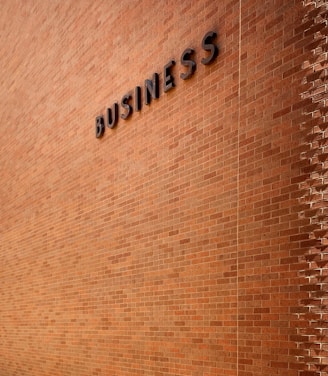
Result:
[{"x": 238, "y": 164}]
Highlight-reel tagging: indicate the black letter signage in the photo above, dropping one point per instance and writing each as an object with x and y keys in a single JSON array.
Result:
[
  {"x": 112, "y": 116},
  {"x": 187, "y": 62},
  {"x": 132, "y": 101},
  {"x": 125, "y": 104},
  {"x": 100, "y": 126},
  {"x": 168, "y": 78},
  {"x": 152, "y": 88},
  {"x": 209, "y": 46}
]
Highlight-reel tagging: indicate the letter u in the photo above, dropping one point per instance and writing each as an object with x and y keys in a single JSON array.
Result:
[{"x": 112, "y": 116}]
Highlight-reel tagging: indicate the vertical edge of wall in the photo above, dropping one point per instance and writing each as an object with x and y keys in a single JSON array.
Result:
[{"x": 313, "y": 311}]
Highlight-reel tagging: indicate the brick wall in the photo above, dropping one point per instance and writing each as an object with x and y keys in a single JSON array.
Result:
[
  {"x": 179, "y": 242},
  {"x": 313, "y": 314}
]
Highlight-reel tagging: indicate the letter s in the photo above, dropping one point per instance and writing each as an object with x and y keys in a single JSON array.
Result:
[
  {"x": 208, "y": 45},
  {"x": 187, "y": 62},
  {"x": 125, "y": 104}
]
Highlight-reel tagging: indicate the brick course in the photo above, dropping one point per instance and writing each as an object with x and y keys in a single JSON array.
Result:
[{"x": 180, "y": 242}]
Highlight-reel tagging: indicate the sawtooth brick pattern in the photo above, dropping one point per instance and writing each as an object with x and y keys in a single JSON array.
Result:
[{"x": 313, "y": 342}]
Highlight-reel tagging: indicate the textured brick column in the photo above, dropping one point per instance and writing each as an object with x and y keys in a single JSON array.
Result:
[{"x": 314, "y": 314}]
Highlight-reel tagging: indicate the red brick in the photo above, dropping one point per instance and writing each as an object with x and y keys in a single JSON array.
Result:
[{"x": 180, "y": 243}]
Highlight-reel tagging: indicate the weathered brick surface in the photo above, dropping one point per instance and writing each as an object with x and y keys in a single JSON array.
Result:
[{"x": 180, "y": 243}]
